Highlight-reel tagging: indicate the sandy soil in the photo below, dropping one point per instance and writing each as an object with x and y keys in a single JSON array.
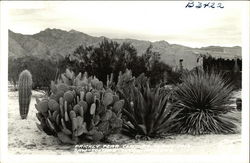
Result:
[{"x": 25, "y": 138}]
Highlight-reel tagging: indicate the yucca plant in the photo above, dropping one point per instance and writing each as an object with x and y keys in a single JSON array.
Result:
[
  {"x": 203, "y": 100},
  {"x": 147, "y": 112}
]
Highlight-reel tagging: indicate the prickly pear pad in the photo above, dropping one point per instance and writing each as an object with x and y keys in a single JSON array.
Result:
[{"x": 80, "y": 114}]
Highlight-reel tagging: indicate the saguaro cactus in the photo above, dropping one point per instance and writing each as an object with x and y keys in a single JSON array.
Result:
[{"x": 24, "y": 92}]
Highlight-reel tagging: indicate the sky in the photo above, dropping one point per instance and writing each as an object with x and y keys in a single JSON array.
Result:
[{"x": 153, "y": 21}]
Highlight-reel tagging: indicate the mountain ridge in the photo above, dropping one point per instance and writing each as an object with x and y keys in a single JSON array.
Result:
[{"x": 56, "y": 43}]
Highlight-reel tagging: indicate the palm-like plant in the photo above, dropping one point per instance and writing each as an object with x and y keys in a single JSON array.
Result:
[
  {"x": 147, "y": 112},
  {"x": 203, "y": 99}
]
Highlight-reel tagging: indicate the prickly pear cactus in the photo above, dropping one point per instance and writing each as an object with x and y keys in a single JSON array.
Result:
[
  {"x": 24, "y": 92},
  {"x": 82, "y": 110},
  {"x": 125, "y": 79},
  {"x": 125, "y": 83}
]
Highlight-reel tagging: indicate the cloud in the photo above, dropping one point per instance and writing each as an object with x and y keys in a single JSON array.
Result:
[{"x": 153, "y": 21}]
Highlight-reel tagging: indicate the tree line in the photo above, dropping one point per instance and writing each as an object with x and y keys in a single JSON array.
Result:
[{"x": 102, "y": 60}]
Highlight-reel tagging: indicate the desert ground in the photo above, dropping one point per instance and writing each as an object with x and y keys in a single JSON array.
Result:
[{"x": 25, "y": 138}]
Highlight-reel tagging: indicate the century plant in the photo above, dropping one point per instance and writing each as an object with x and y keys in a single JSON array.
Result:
[
  {"x": 147, "y": 112},
  {"x": 24, "y": 92},
  {"x": 79, "y": 108},
  {"x": 203, "y": 99}
]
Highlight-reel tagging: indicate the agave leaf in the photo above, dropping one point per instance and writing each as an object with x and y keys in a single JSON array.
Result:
[
  {"x": 167, "y": 120},
  {"x": 130, "y": 117},
  {"x": 162, "y": 107},
  {"x": 139, "y": 109},
  {"x": 143, "y": 129},
  {"x": 128, "y": 125},
  {"x": 129, "y": 131},
  {"x": 164, "y": 115}
]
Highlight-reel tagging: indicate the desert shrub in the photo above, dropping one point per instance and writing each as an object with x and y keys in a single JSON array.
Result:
[
  {"x": 13, "y": 71},
  {"x": 230, "y": 67},
  {"x": 43, "y": 71},
  {"x": 106, "y": 58},
  {"x": 147, "y": 112},
  {"x": 79, "y": 109},
  {"x": 203, "y": 100},
  {"x": 111, "y": 57}
]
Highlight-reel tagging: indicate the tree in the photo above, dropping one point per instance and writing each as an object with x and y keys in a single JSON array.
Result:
[{"x": 110, "y": 57}]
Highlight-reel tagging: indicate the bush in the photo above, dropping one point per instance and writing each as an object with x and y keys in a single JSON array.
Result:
[
  {"x": 111, "y": 57},
  {"x": 108, "y": 57},
  {"x": 203, "y": 99},
  {"x": 230, "y": 67},
  {"x": 43, "y": 71}
]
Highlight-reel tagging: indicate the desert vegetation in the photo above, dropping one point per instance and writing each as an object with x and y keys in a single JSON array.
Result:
[
  {"x": 231, "y": 69},
  {"x": 203, "y": 100},
  {"x": 43, "y": 71},
  {"x": 98, "y": 91}
]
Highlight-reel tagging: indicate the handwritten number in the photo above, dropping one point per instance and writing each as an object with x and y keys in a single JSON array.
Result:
[
  {"x": 199, "y": 5},
  {"x": 212, "y": 5},
  {"x": 220, "y": 5},
  {"x": 204, "y": 5},
  {"x": 190, "y": 4}
]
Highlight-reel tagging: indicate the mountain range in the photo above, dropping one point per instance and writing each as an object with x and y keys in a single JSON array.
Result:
[{"x": 56, "y": 43}]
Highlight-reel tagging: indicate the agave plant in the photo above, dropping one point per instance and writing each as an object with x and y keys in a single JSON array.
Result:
[
  {"x": 147, "y": 112},
  {"x": 203, "y": 101}
]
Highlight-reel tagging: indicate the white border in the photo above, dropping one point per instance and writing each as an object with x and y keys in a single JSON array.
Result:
[
  {"x": 6, "y": 157},
  {"x": 4, "y": 81},
  {"x": 245, "y": 80}
]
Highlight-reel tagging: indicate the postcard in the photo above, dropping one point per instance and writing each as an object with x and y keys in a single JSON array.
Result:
[{"x": 118, "y": 81}]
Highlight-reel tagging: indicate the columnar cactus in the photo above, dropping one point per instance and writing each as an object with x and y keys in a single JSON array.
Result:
[
  {"x": 83, "y": 110},
  {"x": 24, "y": 93}
]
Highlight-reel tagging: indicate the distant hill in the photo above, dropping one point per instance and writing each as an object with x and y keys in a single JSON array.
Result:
[{"x": 56, "y": 43}]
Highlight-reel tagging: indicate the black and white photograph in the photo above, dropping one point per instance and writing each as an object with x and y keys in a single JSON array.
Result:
[{"x": 110, "y": 81}]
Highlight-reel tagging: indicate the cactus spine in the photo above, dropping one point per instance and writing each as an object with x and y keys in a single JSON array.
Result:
[{"x": 24, "y": 92}]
